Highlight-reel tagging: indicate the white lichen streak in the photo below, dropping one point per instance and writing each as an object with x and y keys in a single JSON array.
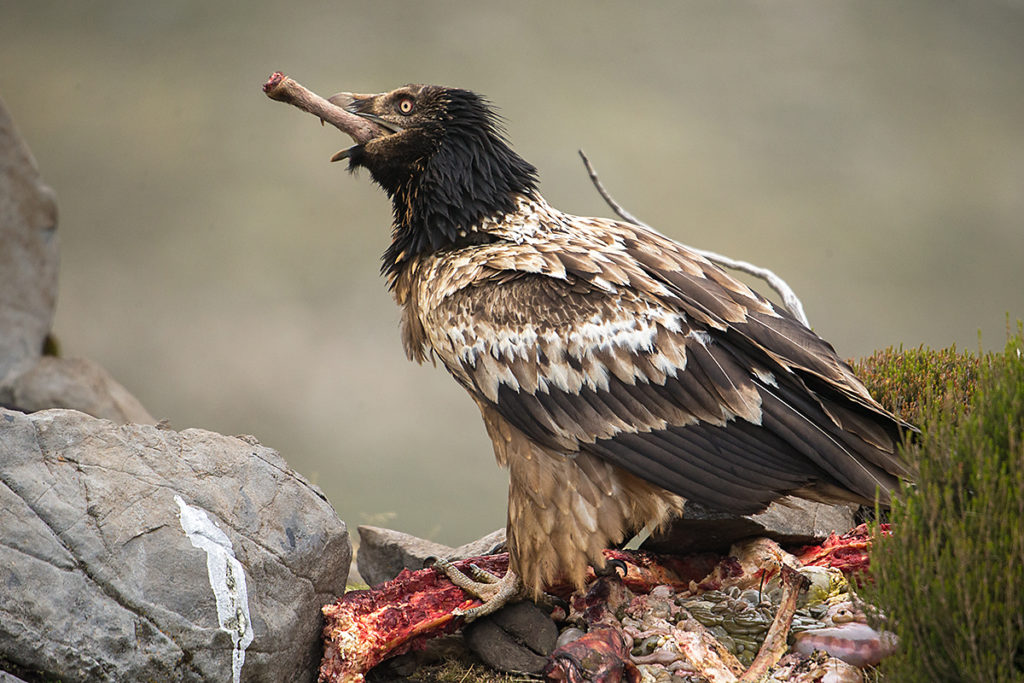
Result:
[{"x": 227, "y": 579}]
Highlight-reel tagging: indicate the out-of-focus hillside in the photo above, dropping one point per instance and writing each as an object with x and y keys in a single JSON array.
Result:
[{"x": 223, "y": 270}]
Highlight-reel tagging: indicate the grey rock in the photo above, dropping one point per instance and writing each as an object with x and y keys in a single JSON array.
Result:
[
  {"x": 493, "y": 542},
  {"x": 795, "y": 522},
  {"x": 100, "y": 581},
  {"x": 383, "y": 553},
  {"x": 28, "y": 254},
  {"x": 29, "y": 258},
  {"x": 79, "y": 384}
]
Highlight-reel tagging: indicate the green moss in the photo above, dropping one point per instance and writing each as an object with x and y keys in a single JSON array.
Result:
[
  {"x": 51, "y": 347},
  {"x": 951, "y": 577}
]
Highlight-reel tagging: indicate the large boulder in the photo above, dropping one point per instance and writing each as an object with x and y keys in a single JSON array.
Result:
[
  {"x": 28, "y": 294},
  {"x": 139, "y": 553},
  {"x": 28, "y": 255}
]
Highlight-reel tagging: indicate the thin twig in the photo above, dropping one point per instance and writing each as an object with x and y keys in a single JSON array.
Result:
[
  {"x": 616, "y": 207},
  {"x": 789, "y": 297}
]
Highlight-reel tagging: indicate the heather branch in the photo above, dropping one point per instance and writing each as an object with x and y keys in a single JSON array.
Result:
[
  {"x": 789, "y": 297},
  {"x": 283, "y": 89}
]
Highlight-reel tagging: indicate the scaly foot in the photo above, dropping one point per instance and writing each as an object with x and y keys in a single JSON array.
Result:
[{"x": 495, "y": 591}]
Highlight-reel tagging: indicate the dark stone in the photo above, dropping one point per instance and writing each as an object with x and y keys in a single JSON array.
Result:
[
  {"x": 796, "y": 522},
  {"x": 529, "y": 625},
  {"x": 517, "y": 638},
  {"x": 400, "y": 668}
]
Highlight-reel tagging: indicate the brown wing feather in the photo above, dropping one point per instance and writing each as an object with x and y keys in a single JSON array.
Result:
[
  {"x": 597, "y": 337},
  {"x": 670, "y": 418}
]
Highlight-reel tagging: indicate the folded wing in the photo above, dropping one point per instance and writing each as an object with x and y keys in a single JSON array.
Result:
[{"x": 633, "y": 349}]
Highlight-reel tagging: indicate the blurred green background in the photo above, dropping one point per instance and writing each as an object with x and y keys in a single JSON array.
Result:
[{"x": 870, "y": 152}]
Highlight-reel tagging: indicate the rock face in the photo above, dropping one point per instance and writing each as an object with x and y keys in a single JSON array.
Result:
[
  {"x": 137, "y": 553},
  {"x": 28, "y": 293},
  {"x": 28, "y": 254}
]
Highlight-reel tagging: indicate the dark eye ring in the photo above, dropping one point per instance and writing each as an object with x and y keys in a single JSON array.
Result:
[{"x": 405, "y": 105}]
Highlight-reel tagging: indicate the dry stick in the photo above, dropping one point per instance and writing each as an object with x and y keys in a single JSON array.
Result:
[
  {"x": 789, "y": 297},
  {"x": 774, "y": 645},
  {"x": 283, "y": 89}
]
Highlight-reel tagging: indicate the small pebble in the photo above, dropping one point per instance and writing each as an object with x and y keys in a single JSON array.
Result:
[{"x": 568, "y": 635}]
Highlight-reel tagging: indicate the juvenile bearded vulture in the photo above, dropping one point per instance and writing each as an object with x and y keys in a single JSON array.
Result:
[{"x": 618, "y": 373}]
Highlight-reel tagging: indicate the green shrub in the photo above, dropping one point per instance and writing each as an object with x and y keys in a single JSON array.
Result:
[
  {"x": 908, "y": 382},
  {"x": 951, "y": 577}
]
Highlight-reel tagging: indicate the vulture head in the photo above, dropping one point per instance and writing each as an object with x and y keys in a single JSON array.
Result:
[{"x": 441, "y": 156}]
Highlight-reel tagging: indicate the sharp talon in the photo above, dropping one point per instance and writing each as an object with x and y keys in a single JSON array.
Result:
[
  {"x": 553, "y": 602},
  {"x": 612, "y": 567},
  {"x": 430, "y": 562}
]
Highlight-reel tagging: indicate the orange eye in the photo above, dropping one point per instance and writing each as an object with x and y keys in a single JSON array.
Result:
[{"x": 405, "y": 105}]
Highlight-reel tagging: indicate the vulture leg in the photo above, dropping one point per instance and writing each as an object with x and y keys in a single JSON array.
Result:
[{"x": 495, "y": 591}]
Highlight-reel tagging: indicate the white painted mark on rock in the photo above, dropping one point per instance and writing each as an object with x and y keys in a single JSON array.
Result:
[{"x": 227, "y": 579}]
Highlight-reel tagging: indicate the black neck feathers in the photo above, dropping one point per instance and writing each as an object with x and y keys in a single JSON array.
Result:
[{"x": 446, "y": 176}]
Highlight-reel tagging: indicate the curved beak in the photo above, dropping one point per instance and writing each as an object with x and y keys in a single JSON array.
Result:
[
  {"x": 359, "y": 104},
  {"x": 345, "y": 100}
]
